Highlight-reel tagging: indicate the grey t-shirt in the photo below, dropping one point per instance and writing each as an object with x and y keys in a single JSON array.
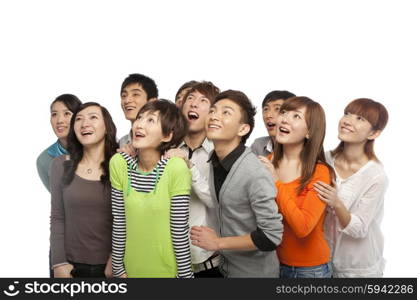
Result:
[{"x": 81, "y": 220}]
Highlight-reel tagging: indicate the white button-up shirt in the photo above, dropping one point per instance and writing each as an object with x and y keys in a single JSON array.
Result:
[
  {"x": 357, "y": 249},
  {"x": 202, "y": 210}
]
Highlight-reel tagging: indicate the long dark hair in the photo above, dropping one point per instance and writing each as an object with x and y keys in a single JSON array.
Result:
[
  {"x": 77, "y": 150},
  {"x": 313, "y": 152}
]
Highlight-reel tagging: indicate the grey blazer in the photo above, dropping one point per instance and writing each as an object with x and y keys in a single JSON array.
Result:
[
  {"x": 247, "y": 202},
  {"x": 262, "y": 146}
]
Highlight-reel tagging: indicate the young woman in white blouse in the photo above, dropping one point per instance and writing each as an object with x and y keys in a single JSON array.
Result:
[{"x": 357, "y": 202}]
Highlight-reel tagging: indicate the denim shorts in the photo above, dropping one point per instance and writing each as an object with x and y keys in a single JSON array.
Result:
[{"x": 321, "y": 271}]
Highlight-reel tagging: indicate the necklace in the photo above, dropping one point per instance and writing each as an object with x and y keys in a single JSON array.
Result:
[{"x": 89, "y": 171}]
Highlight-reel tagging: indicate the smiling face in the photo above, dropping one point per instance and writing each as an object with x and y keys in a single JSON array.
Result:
[
  {"x": 60, "y": 119},
  {"x": 133, "y": 97},
  {"x": 270, "y": 114},
  {"x": 89, "y": 126},
  {"x": 147, "y": 131},
  {"x": 224, "y": 122},
  {"x": 292, "y": 126},
  {"x": 195, "y": 109},
  {"x": 355, "y": 129}
]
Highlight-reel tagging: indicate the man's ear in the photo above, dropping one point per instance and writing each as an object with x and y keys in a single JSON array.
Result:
[
  {"x": 152, "y": 99},
  {"x": 374, "y": 134},
  {"x": 168, "y": 138},
  {"x": 243, "y": 130}
]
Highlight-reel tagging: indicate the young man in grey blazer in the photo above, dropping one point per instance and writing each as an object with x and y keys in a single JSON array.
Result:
[{"x": 249, "y": 225}]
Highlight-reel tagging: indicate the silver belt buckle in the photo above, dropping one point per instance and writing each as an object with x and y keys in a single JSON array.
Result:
[{"x": 211, "y": 263}]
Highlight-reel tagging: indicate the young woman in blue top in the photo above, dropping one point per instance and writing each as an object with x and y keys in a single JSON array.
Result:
[{"x": 62, "y": 109}]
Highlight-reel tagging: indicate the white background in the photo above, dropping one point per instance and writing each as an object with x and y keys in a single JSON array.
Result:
[{"x": 331, "y": 51}]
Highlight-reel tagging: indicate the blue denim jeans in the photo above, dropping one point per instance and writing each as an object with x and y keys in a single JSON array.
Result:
[{"x": 321, "y": 271}]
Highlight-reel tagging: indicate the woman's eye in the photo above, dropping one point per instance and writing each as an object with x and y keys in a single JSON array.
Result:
[
  {"x": 68, "y": 114},
  {"x": 297, "y": 116},
  {"x": 151, "y": 120},
  {"x": 54, "y": 114}
]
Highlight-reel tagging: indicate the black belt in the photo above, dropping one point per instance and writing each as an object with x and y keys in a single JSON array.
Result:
[{"x": 213, "y": 262}]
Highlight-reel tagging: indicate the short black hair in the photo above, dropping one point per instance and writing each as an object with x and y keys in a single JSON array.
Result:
[
  {"x": 276, "y": 95},
  {"x": 172, "y": 120},
  {"x": 246, "y": 107},
  {"x": 69, "y": 100},
  {"x": 187, "y": 85},
  {"x": 148, "y": 84},
  {"x": 207, "y": 88}
]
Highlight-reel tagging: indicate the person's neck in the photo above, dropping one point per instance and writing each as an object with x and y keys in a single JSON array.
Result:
[
  {"x": 353, "y": 154},
  {"x": 195, "y": 139},
  {"x": 93, "y": 154},
  {"x": 148, "y": 158},
  {"x": 223, "y": 148},
  {"x": 291, "y": 152},
  {"x": 63, "y": 142}
]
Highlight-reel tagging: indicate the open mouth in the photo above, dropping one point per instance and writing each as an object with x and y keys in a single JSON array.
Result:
[
  {"x": 213, "y": 126},
  {"x": 139, "y": 134},
  {"x": 193, "y": 115},
  {"x": 85, "y": 133},
  {"x": 130, "y": 108},
  {"x": 270, "y": 125},
  {"x": 283, "y": 130}
]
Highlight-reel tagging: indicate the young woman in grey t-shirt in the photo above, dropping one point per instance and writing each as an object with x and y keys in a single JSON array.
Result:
[{"x": 81, "y": 221}]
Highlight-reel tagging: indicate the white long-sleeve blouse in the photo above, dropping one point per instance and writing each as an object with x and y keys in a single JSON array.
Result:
[{"x": 357, "y": 249}]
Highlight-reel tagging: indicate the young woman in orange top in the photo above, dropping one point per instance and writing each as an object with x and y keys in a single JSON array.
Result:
[{"x": 298, "y": 162}]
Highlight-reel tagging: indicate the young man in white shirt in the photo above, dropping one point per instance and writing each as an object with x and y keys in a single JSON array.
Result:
[{"x": 195, "y": 151}]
